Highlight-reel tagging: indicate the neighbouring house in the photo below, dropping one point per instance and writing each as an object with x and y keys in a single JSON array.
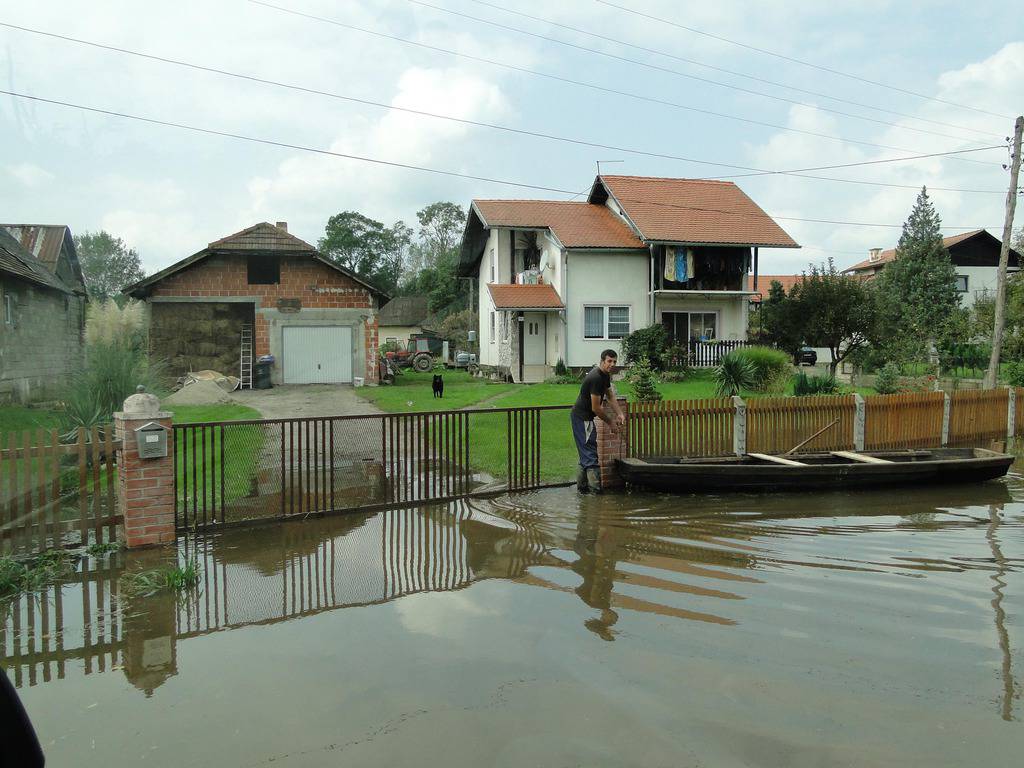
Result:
[
  {"x": 401, "y": 317},
  {"x": 760, "y": 285},
  {"x": 974, "y": 254},
  {"x": 42, "y": 311},
  {"x": 565, "y": 280},
  {"x": 263, "y": 291}
]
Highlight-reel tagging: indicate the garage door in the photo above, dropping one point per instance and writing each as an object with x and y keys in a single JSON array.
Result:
[{"x": 317, "y": 354}]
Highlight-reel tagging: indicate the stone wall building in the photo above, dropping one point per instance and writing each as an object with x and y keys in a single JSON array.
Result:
[
  {"x": 317, "y": 319},
  {"x": 42, "y": 312}
]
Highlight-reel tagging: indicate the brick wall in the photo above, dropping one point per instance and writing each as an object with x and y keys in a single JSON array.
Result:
[
  {"x": 145, "y": 487},
  {"x": 43, "y": 345},
  {"x": 612, "y": 446},
  {"x": 313, "y": 284}
]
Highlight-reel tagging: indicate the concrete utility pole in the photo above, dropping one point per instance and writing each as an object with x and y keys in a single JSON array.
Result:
[{"x": 991, "y": 375}]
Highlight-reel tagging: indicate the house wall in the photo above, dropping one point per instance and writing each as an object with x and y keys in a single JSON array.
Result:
[
  {"x": 43, "y": 346},
  {"x": 980, "y": 280},
  {"x": 324, "y": 297},
  {"x": 612, "y": 277},
  {"x": 732, "y": 311},
  {"x": 399, "y": 332},
  {"x": 498, "y": 251}
]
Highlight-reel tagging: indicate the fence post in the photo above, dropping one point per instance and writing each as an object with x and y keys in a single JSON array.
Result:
[
  {"x": 145, "y": 487},
  {"x": 946, "y": 403},
  {"x": 612, "y": 446},
  {"x": 859, "y": 422},
  {"x": 739, "y": 427},
  {"x": 1011, "y": 414}
]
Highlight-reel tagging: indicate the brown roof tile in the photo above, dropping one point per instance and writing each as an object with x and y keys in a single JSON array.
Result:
[
  {"x": 524, "y": 297},
  {"x": 576, "y": 225},
  {"x": 764, "y": 284},
  {"x": 693, "y": 211},
  {"x": 261, "y": 237},
  {"x": 888, "y": 255}
]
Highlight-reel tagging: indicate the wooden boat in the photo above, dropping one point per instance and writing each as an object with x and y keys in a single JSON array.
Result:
[{"x": 816, "y": 471}]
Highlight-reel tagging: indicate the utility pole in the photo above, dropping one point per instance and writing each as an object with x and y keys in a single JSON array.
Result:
[{"x": 992, "y": 374}]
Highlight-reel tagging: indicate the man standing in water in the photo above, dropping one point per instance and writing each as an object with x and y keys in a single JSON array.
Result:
[{"x": 590, "y": 404}]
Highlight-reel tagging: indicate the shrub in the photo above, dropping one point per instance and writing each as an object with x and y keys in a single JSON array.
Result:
[
  {"x": 650, "y": 343},
  {"x": 1015, "y": 374},
  {"x": 771, "y": 367},
  {"x": 176, "y": 578},
  {"x": 107, "y": 323},
  {"x": 644, "y": 381},
  {"x": 566, "y": 378},
  {"x": 675, "y": 376},
  {"x": 734, "y": 374},
  {"x": 887, "y": 380},
  {"x": 814, "y": 385},
  {"x": 560, "y": 369}
]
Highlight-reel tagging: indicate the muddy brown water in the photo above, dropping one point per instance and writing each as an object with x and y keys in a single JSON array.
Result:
[{"x": 546, "y": 629}]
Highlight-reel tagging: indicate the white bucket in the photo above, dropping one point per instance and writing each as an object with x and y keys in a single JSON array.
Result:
[{"x": 357, "y": 381}]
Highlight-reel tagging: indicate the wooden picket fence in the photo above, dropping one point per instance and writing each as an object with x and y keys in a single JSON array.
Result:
[
  {"x": 56, "y": 492},
  {"x": 978, "y": 416},
  {"x": 682, "y": 427},
  {"x": 907, "y": 420},
  {"x": 778, "y": 424}
]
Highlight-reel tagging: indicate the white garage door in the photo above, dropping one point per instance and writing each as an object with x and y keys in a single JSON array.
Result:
[{"x": 317, "y": 354}]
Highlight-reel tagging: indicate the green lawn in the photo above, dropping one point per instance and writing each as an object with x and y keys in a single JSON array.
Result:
[
  {"x": 412, "y": 392},
  {"x": 17, "y": 418}
]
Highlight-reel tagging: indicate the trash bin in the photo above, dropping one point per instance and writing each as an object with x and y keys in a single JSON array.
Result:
[{"x": 261, "y": 374}]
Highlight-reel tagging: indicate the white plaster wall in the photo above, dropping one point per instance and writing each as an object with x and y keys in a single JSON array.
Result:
[
  {"x": 979, "y": 281},
  {"x": 492, "y": 252},
  {"x": 399, "y": 332},
  {"x": 732, "y": 311},
  {"x": 614, "y": 277}
]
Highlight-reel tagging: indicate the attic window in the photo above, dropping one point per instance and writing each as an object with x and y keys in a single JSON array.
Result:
[
  {"x": 264, "y": 270},
  {"x": 8, "y": 310}
]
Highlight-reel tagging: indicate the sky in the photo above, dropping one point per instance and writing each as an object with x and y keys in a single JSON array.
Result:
[{"x": 642, "y": 89}]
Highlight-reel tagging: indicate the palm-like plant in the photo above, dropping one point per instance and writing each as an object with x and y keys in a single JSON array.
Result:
[{"x": 733, "y": 374}]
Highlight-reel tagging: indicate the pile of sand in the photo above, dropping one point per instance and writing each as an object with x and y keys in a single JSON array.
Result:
[{"x": 199, "y": 393}]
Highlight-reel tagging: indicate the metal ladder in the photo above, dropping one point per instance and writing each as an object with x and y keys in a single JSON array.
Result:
[{"x": 245, "y": 363}]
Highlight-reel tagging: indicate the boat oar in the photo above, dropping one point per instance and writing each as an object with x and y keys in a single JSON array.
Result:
[{"x": 805, "y": 442}]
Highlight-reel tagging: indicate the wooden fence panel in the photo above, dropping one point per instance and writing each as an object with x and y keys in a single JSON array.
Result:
[
  {"x": 777, "y": 424},
  {"x": 907, "y": 420},
  {"x": 1018, "y": 416},
  {"x": 50, "y": 491},
  {"x": 681, "y": 427},
  {"x": 977, "y": 417}
]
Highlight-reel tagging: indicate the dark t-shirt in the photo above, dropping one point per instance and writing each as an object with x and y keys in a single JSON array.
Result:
[{"x": 597, "y": 383}]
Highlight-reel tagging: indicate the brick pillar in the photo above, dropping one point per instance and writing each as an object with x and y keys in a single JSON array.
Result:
[
  {"x": 145, "y": 487},
  {"x": 612, "y": 446},
  {"x": 372, "y": 357}
]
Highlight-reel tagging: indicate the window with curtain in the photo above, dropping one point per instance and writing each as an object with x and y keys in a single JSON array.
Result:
[
  {"x": 593, "y": 322},
  {"x": 606, "y": 322},
  {"x": 618, "y": 322},
  {"x": 492, "y": 328}
]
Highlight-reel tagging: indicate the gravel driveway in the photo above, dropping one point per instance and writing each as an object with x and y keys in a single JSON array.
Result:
[{"x": 301, "y": 401}]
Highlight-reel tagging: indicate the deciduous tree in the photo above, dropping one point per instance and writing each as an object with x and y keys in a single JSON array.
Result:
[{"x": 108, "y": 265}]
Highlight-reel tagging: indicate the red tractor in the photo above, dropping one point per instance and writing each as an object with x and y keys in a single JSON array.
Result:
[{"x": 419, "y": 354}]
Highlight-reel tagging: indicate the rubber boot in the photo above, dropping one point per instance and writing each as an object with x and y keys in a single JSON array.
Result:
[
  {"x": 594, "y": 479},
  {"x": 581, "y": 480}
]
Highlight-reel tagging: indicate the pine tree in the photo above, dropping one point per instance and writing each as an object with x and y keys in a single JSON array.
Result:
[
  {"x": 917, "y": 289},
  {"x": 645, "y": 382}
]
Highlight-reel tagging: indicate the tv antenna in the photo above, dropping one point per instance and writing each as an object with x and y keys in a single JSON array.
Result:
[{"x": 606, "y": 161}]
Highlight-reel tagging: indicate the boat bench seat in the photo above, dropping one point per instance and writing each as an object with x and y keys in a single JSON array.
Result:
[
  {"x": 860, "y": 457},
  {"x": 776, "y": 459}
]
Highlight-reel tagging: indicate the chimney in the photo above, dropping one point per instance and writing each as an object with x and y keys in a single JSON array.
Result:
[
  {"x": 875, "y": 253},
  {"x": 282, "y": 225}
]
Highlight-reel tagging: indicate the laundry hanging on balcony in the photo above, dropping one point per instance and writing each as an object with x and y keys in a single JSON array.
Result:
[{"x": 678, "y": 265}]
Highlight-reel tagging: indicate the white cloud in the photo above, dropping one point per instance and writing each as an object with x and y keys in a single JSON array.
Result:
[{"x": 30, "y": 175}]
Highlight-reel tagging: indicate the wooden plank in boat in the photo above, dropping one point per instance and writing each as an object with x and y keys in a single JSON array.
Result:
[
  {"x": 860, "y": 457},
  {"x": 777, "y": 460}
]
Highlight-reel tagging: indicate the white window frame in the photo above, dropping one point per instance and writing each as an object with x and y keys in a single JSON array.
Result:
[
  {"x": 605, "y": 308},
  {"x": 493, "y": 261},
  {"x": 967, "y": 282},
  {"x": 718, "y": 321},
  {"x": 506, "y": 325},
  {"x": 8, "y": 310},
  {"x": 493, "y": 333}
]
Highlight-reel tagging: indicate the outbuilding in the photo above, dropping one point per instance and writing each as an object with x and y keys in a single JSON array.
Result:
[{"x": 257, "y": 292}]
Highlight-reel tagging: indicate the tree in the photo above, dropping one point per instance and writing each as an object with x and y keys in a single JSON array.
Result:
[
  {"x": 917, "y": 290},
  {"x": 108, "y": 265},
  {"x": 836, "y": 311},
  {"x": 780, "y": 321},
  {"x": 365, "y": 246},
  {"x": 441, "y": 227},
  {"x": 434, "y": 258}
]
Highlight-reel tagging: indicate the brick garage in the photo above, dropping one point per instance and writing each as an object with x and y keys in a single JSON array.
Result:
[{"x": 266, "y": 276}]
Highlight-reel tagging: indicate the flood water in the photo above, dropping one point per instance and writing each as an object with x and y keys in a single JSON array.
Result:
[{"x": 546, "y": 629}]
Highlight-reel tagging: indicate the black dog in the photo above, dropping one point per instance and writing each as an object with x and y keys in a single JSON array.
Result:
[{"x": 438, "y": 385}]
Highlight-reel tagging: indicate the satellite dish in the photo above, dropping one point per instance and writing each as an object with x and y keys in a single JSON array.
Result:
[{"x": 543, "y": 261}]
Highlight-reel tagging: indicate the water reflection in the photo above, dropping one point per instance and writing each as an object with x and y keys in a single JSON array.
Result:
[{"x": 694, "y": 559}]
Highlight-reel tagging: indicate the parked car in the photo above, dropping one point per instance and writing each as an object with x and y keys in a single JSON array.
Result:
[{"x": 805, "y": 356}]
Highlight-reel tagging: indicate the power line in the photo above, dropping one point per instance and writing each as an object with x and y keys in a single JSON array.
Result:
[
  {"x": 800, "y": 173},
  {"x": 668, "y": 70},
  {"x": 409, "y": 166},
  {"x": 715, "y": 68},
  {"x": 802, "y": 62},
  {"x": 581, "y": 83}
]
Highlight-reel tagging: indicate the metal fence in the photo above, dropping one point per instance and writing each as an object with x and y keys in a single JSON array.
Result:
[
  {"x": 239, "y": 470},
  {"x": 55, "y": 491}
]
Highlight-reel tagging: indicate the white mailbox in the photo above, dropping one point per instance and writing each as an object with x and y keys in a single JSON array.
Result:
[{"x": 151, "y": 439}]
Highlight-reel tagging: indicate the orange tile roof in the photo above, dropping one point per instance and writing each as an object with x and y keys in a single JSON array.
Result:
[
  {"x": 694, "y": 211},
  {"x": 888, "y": 255},
  {"x": 764, "y": 284},
  {"x": 524, "y": 297},
  {"x": 576, "y": 225}
]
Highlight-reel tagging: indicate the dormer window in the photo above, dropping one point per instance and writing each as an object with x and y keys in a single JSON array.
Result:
[{"x": 875, "y": 254}]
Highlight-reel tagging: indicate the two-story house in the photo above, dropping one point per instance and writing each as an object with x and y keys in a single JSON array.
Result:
[
  {"x": 975, "y": 255},
  {"x": 564, "y": 280}
]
